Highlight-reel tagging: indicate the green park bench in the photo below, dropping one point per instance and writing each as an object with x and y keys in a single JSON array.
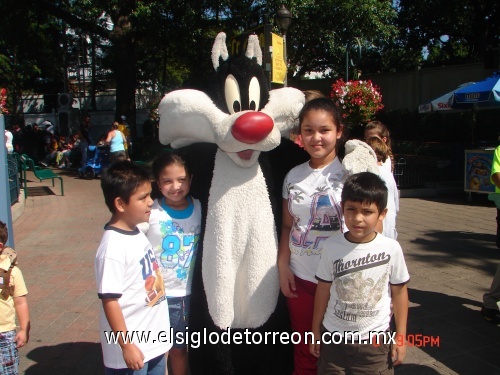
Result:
[{"x": 42, "y": 174}]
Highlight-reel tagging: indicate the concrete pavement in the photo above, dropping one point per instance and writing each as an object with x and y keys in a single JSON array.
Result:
[{"x": 449, "y": 247}]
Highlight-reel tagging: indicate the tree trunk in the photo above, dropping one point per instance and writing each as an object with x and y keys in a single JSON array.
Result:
[{"x": 125, "y": 70}]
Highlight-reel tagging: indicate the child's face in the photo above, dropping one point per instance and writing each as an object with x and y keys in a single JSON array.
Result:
[
  {"x": 319, "y": 136},
  {"x": 174, "y": 184},
  {"x": 361, "y": 219},
  {"x": 138, "y": 209}
]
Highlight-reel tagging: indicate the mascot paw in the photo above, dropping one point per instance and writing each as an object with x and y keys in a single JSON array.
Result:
[{"x": 359, "y": 157}]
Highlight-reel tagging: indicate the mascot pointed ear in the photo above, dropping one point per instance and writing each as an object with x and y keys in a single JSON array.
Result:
[
  {"x": 219, "y": 50},
  {"x": 253, "y": 49}
]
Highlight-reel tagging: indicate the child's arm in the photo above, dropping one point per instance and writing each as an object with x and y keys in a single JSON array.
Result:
[
  {"x": 321, "y": 299},
  {"x": 132, "y": 355},
  {"x": 400, "y": 307},
  {"x": 109, "y": 138},
  {"x": 287, "y": 280},
  {"x": 23, "y": 316}
]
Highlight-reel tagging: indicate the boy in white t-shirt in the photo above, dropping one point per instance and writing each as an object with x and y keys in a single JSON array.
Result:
[
  {"x": 361, "y": 272},
  {"x": 134, "y": 321}
]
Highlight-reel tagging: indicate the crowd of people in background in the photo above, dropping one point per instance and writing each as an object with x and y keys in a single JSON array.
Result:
[
  {"x": 48, "y": 148},
  {"x": 43, "y": 144}
]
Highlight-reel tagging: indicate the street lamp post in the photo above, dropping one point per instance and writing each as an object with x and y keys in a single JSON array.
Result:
[
  {"x": 284, "y": 19},
  {"x": 347, "y": 48}
]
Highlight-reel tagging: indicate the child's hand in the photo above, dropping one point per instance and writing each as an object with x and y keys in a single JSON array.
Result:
[
  {"x": 314, "y": 349},
  {"x": 398, "y": 353},
  {"x": 133, "y": 357},
  {"x": 21, "y": 338},
  {"x": 287, "y": 281}
]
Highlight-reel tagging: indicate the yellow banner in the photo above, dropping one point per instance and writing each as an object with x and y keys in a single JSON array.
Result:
[{"x": 279, "y": 66}]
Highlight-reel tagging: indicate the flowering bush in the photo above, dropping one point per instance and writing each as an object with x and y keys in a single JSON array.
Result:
[
  {"x": 359, "y": 100},
  {"x": 3, "y": 101}
]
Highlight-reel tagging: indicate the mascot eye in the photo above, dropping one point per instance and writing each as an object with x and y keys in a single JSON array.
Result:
[
  {"x": 232, "y": 94},
  {"x": 254, "y": 94}
]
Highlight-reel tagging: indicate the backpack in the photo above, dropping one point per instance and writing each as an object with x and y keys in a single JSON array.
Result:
[{"x": 8, "y": 259}]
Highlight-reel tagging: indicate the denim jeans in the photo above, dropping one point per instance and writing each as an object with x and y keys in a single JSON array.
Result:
[
  {"x": 155, "y": 366},
  {"x": 178, "y": 308}
]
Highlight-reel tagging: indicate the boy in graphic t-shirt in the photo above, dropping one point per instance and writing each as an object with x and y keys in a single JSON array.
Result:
[
  {"x": 360, "y": 274},
  {"x": 129, "y": 281}
]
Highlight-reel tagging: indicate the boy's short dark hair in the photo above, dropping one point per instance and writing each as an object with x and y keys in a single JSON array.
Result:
[
  {"x": 365, "y": 187},
  {"x": 4, "y": 232},
  {"x": 121, "y": 180}
]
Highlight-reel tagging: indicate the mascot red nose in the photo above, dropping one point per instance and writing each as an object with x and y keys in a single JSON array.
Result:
[{"x": 238, "y": 320}]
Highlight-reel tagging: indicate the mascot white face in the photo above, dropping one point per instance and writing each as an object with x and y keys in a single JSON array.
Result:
[{"x": 249, "y": 124}]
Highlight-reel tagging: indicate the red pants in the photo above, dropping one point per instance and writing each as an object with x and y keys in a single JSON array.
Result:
[{"x": 301, "y": 314}]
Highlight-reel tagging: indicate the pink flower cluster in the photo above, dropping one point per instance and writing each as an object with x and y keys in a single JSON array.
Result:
[
  {"x": 359, "y": 100},
  {"x": 3, "y": 101}
]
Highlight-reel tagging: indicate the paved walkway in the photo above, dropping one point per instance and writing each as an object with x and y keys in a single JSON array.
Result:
[{"x": 448, "y": 244}]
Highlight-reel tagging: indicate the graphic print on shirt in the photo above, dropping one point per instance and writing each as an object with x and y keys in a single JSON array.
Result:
[
  {"x": 325, "y": 217},
  {"x": 178, "y": 248},
  {"x": 153, "y": 280},
  {"x": 359, "y": 284}
]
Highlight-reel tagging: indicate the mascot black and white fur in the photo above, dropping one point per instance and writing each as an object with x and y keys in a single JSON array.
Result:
[{"x": 239, "y": 159}]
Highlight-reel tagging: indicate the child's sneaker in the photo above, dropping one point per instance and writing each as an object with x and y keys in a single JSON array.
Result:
[{"x": 491, "y": 315}]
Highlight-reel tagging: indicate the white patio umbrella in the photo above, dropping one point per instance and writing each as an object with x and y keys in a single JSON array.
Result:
[{"x": 442, "y": 103}]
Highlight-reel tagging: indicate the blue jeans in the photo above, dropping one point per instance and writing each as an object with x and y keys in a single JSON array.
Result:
[
  {"x": 178, "y": 308},
  {"x": 155, "y": 366}
]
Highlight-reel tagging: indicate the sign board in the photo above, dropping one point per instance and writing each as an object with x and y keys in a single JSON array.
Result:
[
  {"x": 477, "y": 171},
  {"x": 278, "y": 60},
  {"x": 239, "y": 43}
]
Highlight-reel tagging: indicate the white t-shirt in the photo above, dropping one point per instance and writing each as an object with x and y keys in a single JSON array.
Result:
[
  {"x": 392, "y": 202},
  {"x": 360, "y": 296},
  {"x": 126, "y": 268},
  {"x": 314, "y": 197},
  {"x": 174, "y": 235},
  {"x": 387, "y": 164},
  {"x": 8, "y": 141}
]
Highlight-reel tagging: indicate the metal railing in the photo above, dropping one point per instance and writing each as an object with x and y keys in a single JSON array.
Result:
[
  {"x": 412, "y": 172},
  {"x": 14, "y": 180}
]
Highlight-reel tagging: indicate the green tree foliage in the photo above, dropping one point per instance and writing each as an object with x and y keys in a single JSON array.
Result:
[
  {"x": 471, "y": 26},
  {"x": 30, "y": 51},
  {"x": 163, "y": 45},
  {"x": 322, "y": 29}
]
